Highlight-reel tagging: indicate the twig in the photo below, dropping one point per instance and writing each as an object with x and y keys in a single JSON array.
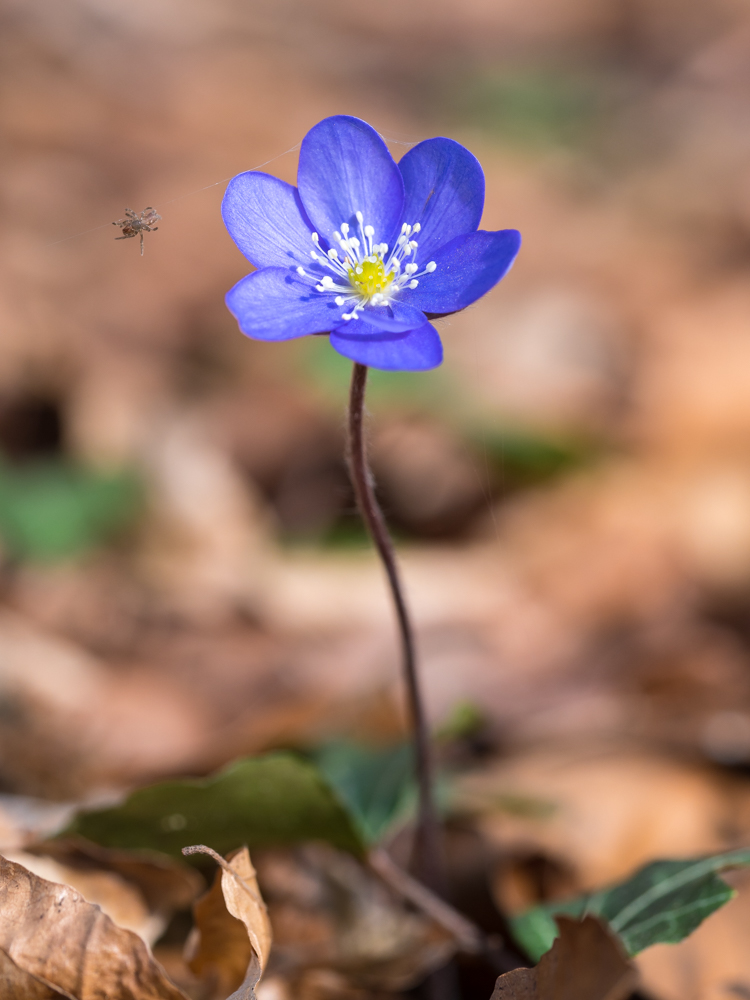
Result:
[
  {"x": 426, "y": 860},
  {"x": 471, "y": 938}
]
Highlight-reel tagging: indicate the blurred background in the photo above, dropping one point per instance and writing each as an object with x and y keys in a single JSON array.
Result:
[{"x": 184, "y": 578}]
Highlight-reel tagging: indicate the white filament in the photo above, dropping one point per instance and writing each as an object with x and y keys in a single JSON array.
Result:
[{"x": 359, "y": 249}]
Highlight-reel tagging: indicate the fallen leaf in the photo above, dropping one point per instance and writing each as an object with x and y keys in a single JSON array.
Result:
[
  {"x": 244, "y": 901},
  {"x": 19, "y": 985},
  {"x": 228, "y": 955},
  {"x": 50, "y": 937},
  {"x": 586, "y": 962},
  {"x": 643, "y": 805},
  {"x": 218, "y": 949},
  {"x": 122, "y": 903},
  {"x": 166, "y": 884}
]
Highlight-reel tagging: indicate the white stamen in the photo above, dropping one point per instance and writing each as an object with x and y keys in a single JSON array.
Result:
[{"x": 396, "y": 275}]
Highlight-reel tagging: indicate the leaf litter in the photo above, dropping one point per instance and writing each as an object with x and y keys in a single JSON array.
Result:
[
  {"x": 578, "y": 563},
  {"x": 52, "y": 938}
]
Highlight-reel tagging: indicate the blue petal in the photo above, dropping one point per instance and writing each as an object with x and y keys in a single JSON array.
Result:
[
  {"x": 266, "y": 220},
  {"x": 275, "y": 304},
  {"x": 345, "y": 167},
  {"x": 467, "y": 268},
  {"x": 414, "y": 351},
  {"x": 397, "y": 317},
  {"x": 444, "y": 185}
]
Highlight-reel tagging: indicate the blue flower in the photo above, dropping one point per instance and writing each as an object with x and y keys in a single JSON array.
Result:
[{"x": 363, "y": 248}]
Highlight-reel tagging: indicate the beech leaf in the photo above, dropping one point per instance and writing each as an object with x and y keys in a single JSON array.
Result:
[
  {"x": 586, "y": 962},
  {"x": 52, "y": 939},
  {"x": 662, "y": 902},
  {"x": 244, "y": 901},
  {"x": 165, "y": 884},
  {"x": 223, "y": 951},
  {"x": 218, "y": 950}
]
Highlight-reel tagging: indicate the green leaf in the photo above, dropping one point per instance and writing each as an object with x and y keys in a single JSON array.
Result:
[
  {"x": 464, "y": 721},
  {"x": 376, "y": 783},
  {"x": 523, "y": 458},
  {"x": 53, "y": 510},
  {"x": 661, "y": 904},
  {"x": 277, "y": 798}
]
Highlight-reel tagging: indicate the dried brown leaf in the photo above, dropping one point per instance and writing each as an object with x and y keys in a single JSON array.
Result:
[
  {"x": 233, "y": 932},
  {"x": 586, "y": 962},
  {"x": 219, "y": 951},
  {"x": 119, "y": 900},
  {"x": 19, "y": 985},
  {"x": 244, "y": 901},
  {"x": 165, "y": 884},
  {"x": 50, "y": 937}
]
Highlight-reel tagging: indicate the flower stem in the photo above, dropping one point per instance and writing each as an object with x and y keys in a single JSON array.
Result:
[{"x": 426, "y": 861}]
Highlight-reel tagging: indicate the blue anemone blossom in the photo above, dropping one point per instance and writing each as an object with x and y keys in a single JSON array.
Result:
[{"x": 365, "y": 249}]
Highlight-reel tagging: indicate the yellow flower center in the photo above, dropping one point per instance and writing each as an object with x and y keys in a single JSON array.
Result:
[{"x": 369, "y": 277}]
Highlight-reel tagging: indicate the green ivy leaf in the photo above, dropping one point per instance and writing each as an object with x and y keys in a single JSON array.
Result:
[
  {"x": 661, "y": 904},
  {"x": 277, "y": 798}
]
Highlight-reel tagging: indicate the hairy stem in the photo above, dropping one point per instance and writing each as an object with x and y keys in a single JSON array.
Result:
[{"x": 426, "y": 863}]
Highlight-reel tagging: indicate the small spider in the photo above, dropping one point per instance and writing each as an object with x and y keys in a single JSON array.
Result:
[{"x": 136, "y": 224}]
